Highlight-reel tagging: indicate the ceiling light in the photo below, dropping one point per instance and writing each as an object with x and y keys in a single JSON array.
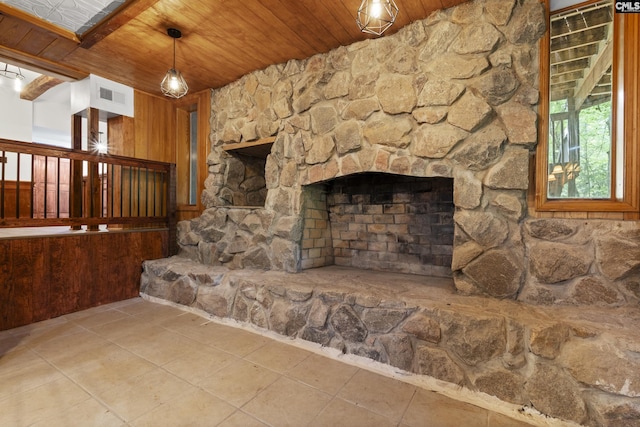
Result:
[
  {"x": 174, "y": 85},
  {"x": 16, "y": 76},
  {"x": 376, "y": 16}
]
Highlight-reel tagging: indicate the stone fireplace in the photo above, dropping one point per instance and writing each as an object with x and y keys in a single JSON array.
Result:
[
  {"x": 411, "y": 154},
  {"x": 448, "y": 100}
]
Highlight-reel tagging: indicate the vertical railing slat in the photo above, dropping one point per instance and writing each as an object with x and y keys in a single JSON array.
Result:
[
  {"x": 4, "y": 166},
  {"x": 18, "y": 187}
]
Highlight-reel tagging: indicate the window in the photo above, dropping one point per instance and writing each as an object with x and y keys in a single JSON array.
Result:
[
  {"x": 193, "y": 157},
  {"x": 191, "y": 151},
  {"x": 587, "y": 158}
]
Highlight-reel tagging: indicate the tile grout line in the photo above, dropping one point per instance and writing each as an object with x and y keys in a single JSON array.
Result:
[{"x": 90, "y": 394}]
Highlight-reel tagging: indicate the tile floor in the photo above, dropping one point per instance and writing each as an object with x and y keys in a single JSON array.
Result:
[{"x": 137, "y": 363}]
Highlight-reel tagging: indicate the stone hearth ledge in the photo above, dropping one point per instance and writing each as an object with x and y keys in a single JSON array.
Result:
[{"x": 576, "y": 364}]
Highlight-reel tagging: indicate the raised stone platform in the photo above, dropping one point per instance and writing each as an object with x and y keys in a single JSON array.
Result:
[{"x": 573, "y": 363}]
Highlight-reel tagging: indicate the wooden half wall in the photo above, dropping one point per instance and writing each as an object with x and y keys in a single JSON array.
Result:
[{"x": 48, "y": 276}]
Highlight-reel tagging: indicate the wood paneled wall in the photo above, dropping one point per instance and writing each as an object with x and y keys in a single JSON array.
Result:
[
  {"x": 155, "y": 128},
  {"x": 46, "y": 277},
  {"x": 150, "y": 135},
  {"x": 10, "y": 190}
]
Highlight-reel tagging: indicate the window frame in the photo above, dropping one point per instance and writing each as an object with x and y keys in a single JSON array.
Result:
[{"x": 626, "y": 96}]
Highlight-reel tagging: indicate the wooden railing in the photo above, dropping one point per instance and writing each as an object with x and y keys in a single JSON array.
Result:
[{"x": 42, "y": 185}]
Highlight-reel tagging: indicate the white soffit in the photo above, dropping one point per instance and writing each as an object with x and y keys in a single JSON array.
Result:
[{"x": 78, "y": 16}]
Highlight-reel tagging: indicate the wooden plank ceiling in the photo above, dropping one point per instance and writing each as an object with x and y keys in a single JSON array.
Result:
[{"x": 222, "y": 39}]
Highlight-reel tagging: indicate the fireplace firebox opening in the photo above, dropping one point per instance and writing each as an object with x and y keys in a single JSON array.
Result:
[{"x": 380, "y": 221}]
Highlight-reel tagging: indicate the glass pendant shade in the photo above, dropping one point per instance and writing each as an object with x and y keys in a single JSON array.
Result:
[
  {"x": 376, "y": 16},
  {"x": 174, "y": 85}
]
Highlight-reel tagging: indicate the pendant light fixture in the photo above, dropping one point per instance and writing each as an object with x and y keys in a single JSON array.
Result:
[
  {"x": 376, "y": 16},
  {"x": 174, "y": 85}
]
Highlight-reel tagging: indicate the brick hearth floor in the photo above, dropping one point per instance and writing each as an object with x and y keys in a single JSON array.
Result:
[{"x": 138, "y": 363}]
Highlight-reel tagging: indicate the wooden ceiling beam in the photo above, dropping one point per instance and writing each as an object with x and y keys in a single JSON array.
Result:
[
  {"x": 41, "y": 65},
  {"x": 594, "y": 75},
  {"x": 121, "y": 16},
  {"x": 37, "y": 87},
  {"x": 5, "y": 9}
]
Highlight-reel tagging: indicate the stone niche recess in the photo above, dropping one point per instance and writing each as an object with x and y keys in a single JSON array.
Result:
[{"x": 544, "y": 312}]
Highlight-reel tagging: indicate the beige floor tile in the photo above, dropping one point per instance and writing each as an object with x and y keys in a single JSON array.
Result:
[
  {"x": 101, "y": 369},
  {"x": 323, "y": 373},
  {"x": 123, "y": 327},
  {"x": 279, "y": 357},
  {"x": 33, "y": 327},
  {"x": 287, "y": 403},
  {"x": 41, "y": 403},
  {"x": 341, "y": 413},
  {"x": 128, "y": 302},
  {"x": 134, "y": 306},
  {"x": 432, "y": 409},
  {"x": 9, "y": 343},
  {"x": 134, "y": 397},
  {"x": 100, "y": 318},
  {"x": 197, "y": 408},
  {"x": 160, "y": 313},
  {"x": 382, "y": 395},
  {"x": 159, "y": 346},
  {"x": 240, "y": 419},
  {"x": 16, "y": 358},
  {"x": 239, "y": 382},
  {"x": 86, "y": 313},
  {"x": 499, "y": 420},
  {"x": 94, "y": 353},
  {"x": 195, "y": 327},
  {"x": 27, "y": 377},
  {"x": 200, "y": 363},
  {"x": 238, "y": 341},
  {"x": 89, "y": 413},
  {"x": 69, "y": 345},
  {"x": 38, "y": 336}
]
